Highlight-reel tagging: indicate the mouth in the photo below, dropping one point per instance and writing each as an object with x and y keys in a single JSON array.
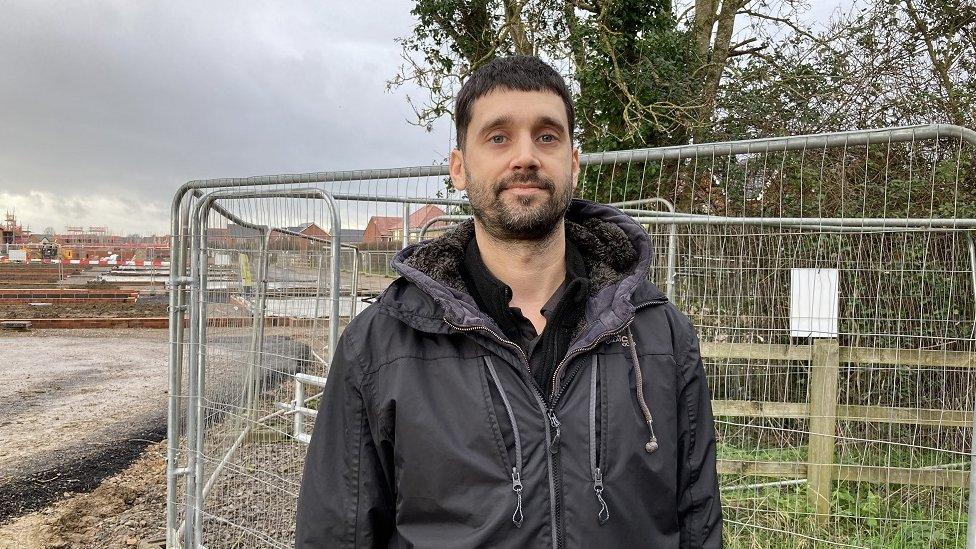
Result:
[
  {"x": 524, "y": 192},
  {"x": 525, "y": 186}
]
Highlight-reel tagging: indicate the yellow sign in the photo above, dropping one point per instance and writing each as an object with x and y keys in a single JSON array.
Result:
[{"x": 246, "y": 270}]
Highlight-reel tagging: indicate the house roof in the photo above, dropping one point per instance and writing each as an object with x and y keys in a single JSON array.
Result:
[
  {"x": 299, "y": 228},
  {"x": 387, "y": 224},
  {"x": 423, "y": 215},
  {"x": 235, "y": 230}
]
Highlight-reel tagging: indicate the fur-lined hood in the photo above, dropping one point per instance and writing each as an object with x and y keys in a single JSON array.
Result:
[{"x": 616, "y": 250}]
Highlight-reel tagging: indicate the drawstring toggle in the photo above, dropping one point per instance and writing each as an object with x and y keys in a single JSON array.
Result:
[{"x": 651, "y": 445}]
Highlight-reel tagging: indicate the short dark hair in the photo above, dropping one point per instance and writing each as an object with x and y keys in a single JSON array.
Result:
[{"x": 517, "y": 72}]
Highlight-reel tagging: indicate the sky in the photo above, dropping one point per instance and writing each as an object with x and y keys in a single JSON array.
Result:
[{"x": 107, "y": 107}]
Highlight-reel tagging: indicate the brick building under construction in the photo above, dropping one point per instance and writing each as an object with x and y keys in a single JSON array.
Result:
[{"x": 76, "y": 242}]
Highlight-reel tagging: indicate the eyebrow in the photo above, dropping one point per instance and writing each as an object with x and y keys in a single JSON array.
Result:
[
  {"x": 506, "y": 120},
  {"x": 550, "y": 121},
  {"x": 498, "y": 122}
]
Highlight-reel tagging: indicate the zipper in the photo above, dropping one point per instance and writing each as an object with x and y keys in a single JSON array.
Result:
[
  {"x": 558, "y": 390},
  {"x": 546, "y": 411},
  {"x": 552, "y": 461},
  {"x": 549, "y": 412},
  {"x": 603, "y": 515},
  {"x": 517, "y": 488},
  {"x": 500, "y": 339},
  {"x": 554, "y": 421},
  {"x": 517, "y": 468}
]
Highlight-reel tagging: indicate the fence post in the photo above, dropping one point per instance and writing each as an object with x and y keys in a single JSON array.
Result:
[
  {"x": 971, "y": 530},
  {"x": 824, "y": 371},
  {"x": 406, "y": 224}
]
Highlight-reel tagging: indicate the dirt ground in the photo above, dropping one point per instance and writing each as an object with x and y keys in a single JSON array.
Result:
[
  {"x": 76, "y": 405},
  {"x": 126, "y": 510},
  {"x": 83, "y": 310}
]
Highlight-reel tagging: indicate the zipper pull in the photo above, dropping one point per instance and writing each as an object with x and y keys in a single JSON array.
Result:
[
  {"x": 517, "y": 488},
  {"x": 554, "y": 445},
  {"x": 604, "y": 514}
]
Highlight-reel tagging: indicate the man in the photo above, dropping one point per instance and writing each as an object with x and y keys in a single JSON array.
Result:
[{"x": 522, "y": 384}]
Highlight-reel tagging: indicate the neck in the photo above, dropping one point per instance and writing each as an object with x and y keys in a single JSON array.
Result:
[{"x": 532, "y": 269}]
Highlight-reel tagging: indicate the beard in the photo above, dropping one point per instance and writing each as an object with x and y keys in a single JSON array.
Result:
[{"x": 529, "y": 218}]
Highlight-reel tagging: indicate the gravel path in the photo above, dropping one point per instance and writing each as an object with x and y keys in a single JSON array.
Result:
[
  {"x": 78, "y": 407},
  {"x": 75, "y": 405},
  {"x": 66, "y": 385}
]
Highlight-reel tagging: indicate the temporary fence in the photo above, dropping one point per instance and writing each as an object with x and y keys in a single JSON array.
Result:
[{"x": 832, "y": 279}]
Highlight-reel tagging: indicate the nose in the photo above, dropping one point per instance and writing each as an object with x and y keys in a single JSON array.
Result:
[{"x": 524, "y": 156}]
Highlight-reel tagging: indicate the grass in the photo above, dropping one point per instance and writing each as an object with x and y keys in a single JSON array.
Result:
[{"x": 861, "y": 514}]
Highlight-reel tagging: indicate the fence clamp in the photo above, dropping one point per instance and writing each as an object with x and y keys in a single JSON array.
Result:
[{"x": 181, "y": 281}]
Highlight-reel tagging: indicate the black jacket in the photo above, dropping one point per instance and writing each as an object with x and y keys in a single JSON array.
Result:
[{"x": 432, "y": 432}]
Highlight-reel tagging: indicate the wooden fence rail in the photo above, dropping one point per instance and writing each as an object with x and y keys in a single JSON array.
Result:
[{"x": 823, "y": 411}]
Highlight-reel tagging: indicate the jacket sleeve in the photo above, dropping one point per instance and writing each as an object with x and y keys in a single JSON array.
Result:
[
  {"x": 345, "y": 499},
  {"x": 699, "y": 505}
]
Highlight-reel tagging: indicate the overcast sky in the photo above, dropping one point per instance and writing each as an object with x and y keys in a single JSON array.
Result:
[{"x": 106, "y": 107}]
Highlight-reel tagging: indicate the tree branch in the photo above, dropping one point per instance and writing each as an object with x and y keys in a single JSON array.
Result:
[{"x": 791, "y": 24}]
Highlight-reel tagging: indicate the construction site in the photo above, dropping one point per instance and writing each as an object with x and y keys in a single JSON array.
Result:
[
  {"x": 84, "y": 342},
  {"x": 171, "y": 401},
  {"x": 81, "y": 278},
  {"x": 82, "y": 329}
]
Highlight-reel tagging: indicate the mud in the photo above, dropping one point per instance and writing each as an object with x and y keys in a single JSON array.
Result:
[{"x": 83, "y": 471}]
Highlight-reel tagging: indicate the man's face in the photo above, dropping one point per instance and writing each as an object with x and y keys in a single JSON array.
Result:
[{"x": 518, "y": 166}]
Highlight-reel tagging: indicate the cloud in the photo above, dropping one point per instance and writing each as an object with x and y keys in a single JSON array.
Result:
[
  {"x": 109, "y": 105},
  {"x": 40, "y": 209}
]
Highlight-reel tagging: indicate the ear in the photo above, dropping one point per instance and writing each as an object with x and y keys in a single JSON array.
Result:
[
  {"x": 458, "y": 178},
  {"x": 576, "y": 167}
]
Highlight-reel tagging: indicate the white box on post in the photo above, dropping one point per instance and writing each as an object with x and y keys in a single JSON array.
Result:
[{"x": 814, "y": 302}]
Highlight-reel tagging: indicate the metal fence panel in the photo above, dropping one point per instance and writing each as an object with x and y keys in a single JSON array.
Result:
[{"x": 855, "y": 438}]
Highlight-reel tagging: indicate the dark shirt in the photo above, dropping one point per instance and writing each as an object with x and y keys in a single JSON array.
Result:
[
  {"x": 528, "y": 338},
  {"x": 562, "y": 311}
]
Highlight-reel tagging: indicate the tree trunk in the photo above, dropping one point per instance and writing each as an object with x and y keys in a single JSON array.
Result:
[
  {"x": 716, "y": 64},
  {"x": 703, "y": 24},
  {"x": 516, "y": 27}
]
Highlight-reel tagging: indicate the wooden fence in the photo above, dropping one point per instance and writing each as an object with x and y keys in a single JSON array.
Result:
[{"x": 823, "y": 411}]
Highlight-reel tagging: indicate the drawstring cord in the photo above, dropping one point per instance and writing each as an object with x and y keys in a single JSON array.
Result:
[{"x": 652, "y": 444}]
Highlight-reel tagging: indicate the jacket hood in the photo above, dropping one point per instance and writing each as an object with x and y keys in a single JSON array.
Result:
[{"x": 616, "y": 250}]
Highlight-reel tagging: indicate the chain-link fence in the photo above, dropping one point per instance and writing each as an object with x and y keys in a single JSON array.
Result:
[{"x": 831, "y": 278}]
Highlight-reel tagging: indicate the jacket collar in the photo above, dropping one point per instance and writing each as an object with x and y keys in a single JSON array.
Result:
[{"x": 617, "y": 252}]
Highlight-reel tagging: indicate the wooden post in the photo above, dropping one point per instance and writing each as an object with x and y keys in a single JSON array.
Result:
[{"x": 824, "y": 371}]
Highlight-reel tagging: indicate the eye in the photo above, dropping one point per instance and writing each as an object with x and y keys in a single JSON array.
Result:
[
  {"x": 547, "y": 138},
  {"x": 497, "y": 139}
]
